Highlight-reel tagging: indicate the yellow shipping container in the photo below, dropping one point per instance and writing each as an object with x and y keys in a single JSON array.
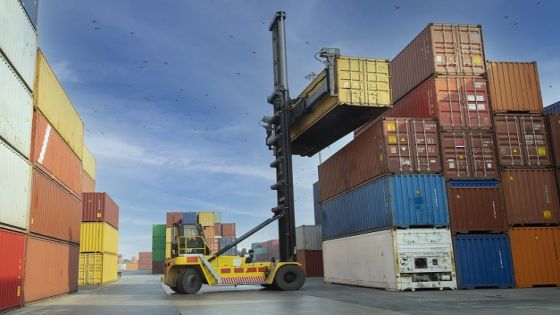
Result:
[
  {"x": 363, "y": 92},
  {"x": 98, "y": 237},
  {"x": 51, "y": 99},
  {"x": 132, "y": 266},
  {"x": 97, "y": 268},
  {"x": 168, "y": 235},
  {"x": 167, "y": 250},
  {"x": 206, "y": 218},
  {"x": 88, "y": 162}
]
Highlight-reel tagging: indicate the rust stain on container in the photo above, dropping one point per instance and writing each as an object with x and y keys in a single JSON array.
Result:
[
  {"x": 514, "y": 86},
  {"x": 390, "y": 145},
  {"x": 468, "y": 154},
  {"x": 51, "y": 153},
  {"x": 51, "y": 268},
  {"x": 553, "y": 124},
  {"x": 88, "y": 184},
  {"x": 100, "y": 207},
  {"x": 55, "y": 212},
  {"x": 312, "y": 262},
  {"x": 530, "y": 196},
  {"x": 522, "y": 140},
  {"x": 535, "y": 252},
  {"x": 439, "y": 49}
]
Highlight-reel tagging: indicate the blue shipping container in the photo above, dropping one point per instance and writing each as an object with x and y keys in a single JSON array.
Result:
[
  {"x": 391, "y": 201},
  {"x": 483, "y": 260},
  {"x": 189, "y": 218},
  {"x": 224, "y": 241},
  {"x": 552, "y": 109}
]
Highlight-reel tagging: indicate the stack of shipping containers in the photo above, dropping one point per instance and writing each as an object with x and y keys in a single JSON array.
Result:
[
  {"x": 158, "y": 248},
  {"x": 309, "y": 249},
  {"x": 145, "y": 261},
  {"x": 226, "y": 235},
  {"x": 528, "y": 179},
  {"x": 266, "y": 251},
  {"x": 99, "y": 239}
]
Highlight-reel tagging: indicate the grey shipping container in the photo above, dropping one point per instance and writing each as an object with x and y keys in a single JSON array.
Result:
[{"x": 309, "y": 237}]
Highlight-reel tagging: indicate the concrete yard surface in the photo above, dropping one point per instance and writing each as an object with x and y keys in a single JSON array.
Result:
[{"x": 143, "y": 293}]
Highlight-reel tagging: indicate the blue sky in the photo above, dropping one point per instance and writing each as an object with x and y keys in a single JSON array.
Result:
[{"x": 171, "y": 92}]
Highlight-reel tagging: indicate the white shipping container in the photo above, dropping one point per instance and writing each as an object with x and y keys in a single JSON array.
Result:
[
  {"x": 18, "y": 39},
  {"x": 395, "y": 260},
  {"x": 309, "y": 237},
  {"x": 16, "y": 109},
  {"x": 15, "y": 187}
]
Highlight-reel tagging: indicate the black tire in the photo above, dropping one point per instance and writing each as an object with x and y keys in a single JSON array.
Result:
[
  {"x": 189, "y": 281},
  {"x": 289, "y": 278},
  {"x": 267, "y": 286}
]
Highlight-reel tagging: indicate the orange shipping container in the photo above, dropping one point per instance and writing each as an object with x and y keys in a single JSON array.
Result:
[
  {"x": 51, "y": 153},
  {"x": 514, "y": 86},
  {"x": 553, "y": 126},
  {"x": 51, "y": 268},
  {"x": 228, "y": 230},
  {"x": 88, "y": 184},
  {"x": 535, "y": 252}
]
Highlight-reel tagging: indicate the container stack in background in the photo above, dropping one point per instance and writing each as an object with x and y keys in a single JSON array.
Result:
[
  {"x": 552, "y": 114},
  {"x": 309, "y": 245},
  {"x": 266, "y": 251},
  {"x": 158, "y": 248},
  {"x": 227, "y": 235},
  {"x": 145, "y": 261}
]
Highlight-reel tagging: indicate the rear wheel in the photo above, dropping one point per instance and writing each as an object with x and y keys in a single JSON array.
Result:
[
  {"x": 189, "y": 281},
  {"x": 289, "y": 278}
]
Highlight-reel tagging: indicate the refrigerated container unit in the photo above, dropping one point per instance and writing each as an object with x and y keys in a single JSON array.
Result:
[
  {"x": 100, "y": 207},
  {"x": 483, "y": 260},
  {"x": 395, "y": 260},
  {"x": 15, "y": 181},
  {"x": 12, "y": 251}
]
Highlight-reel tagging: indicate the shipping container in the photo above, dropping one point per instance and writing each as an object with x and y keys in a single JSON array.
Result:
[
  {"x": 514, "y": 86},
  {"x": 132, "y": 266},
  {"x": 317, "y": 211},
  {"x": 12, "y": 251},
  {"x": 476, "y": 206},
  {"x": 54, "y": 156},
  {"x": 189, "y": 218},
  {"x": 395, "y": 260},
  {"x": 16, "y": 109},
  {"x": 391, "y": 201},
  {"x": 206, "y": 218},
  {"x": 362, "y": 93},
  {"x": 309, "y": 237},
  {"x": 169, "y": 235},
  {"x": 158, "y": 267},
  {"x": 552, "y": 109},
  {"x": 535, "y": 256},
  {"x": 32, "y": 9},
  {"x": 99, "y": 237},
  {"x": 100, "y": 207},
  {"x": 55, "y": 212},
  {"x": 468, "y": 154},
  {"x": 88, "y": 184},
  {"x": 225, "y": 241},
  {"x": 442, "y": 49},
  {"x": 388, "y": 146},
  {"x": 530, "y": 196},
  {"x": 98, "y": 268},
  {"x": 553, "y": 126},
  {"x": 89, "y": 162},
  {"x": 228, "y": 230},
  {"x": 483, "y": 260},
  {"x": 522, "y": 140},
  {"x": 158, "y": 242},
  {"x": 51, "y": 99},
  {"x": 311, "y": 262},
  {"x": 16, "y": 187},
  {"x": 456, "y": 102},
  {"x": 145, "y": 261},
  {"x": 173, "y": 217},
  {"x": 51, "y": 268},
  {"x": 18, "y": 39}
]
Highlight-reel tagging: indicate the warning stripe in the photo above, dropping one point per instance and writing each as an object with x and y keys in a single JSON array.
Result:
[{"x": 244, "y": 280}]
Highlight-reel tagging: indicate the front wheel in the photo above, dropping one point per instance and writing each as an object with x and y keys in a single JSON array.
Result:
[
  {"x": 189, "y": 281},
  {"x": 289, "y": 278}
]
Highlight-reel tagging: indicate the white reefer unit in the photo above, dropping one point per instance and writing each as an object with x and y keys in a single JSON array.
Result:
[{"x": 392, "y": 259}]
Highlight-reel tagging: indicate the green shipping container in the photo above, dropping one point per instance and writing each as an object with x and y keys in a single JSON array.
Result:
[{"x": 158, "y": 242}]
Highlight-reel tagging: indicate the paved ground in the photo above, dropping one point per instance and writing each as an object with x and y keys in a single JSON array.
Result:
[{"x": 142, "y": 293}]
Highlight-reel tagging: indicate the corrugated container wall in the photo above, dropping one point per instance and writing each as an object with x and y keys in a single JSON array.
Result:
[
  {"x": 158, "y": 242},
  {"x": 89, "y": 162},
  {"x": 311, "y": 261},
  {"x": 98, "y": 268},
  {"x": 206, "y": 218},
  {"x": 530, "y": 196},
  {"x": 514, "y": 86},
  {"x": 456, "y": 102},
  {"x": 15, "y": 194},
  {"x": 317, "y": 211},
  {"x": 225, "y": 241},
  {"x": 403, "y": 259},
  {"x": 228, "y": 230},
  {"x": 88, "y": 184},
  {"x": 53, "y": 102},
  {"x": 553, "y": 124},
  {"x": 469, "y": 154},
  {"x": 439, "y": 49},
  {"x": 12, "y": 251},
  {"x": 392, "y": 201},
  {"x": 51, "y": 268},
  {"x": 99, "y": 237},
  {"x": 476, "y": 206},
  {"x": 100, "y": 207},
  {"x": 535, "y": 256},
  {"x": 51, "y": 153},
  {"x": 158, "y": 267},
  {"x": 309, "y": 237},
  {"x": 189, "y": 217},
  {"x": 18, "y": 39},
  {"x": 388, "y": 146},
  {"x": 483, "y": 260},
  {"x": 363, "y": 92},
  {"x": 552, "y": 109},
  {"x": 16, "y": 108},
  {"x": 173, "y": 217},
  {"x": 522, "y": 140}
]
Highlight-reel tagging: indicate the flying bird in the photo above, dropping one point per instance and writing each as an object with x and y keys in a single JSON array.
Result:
[
  {"x": 97, "y": 28},
  {"x": 94, "y": 21},
  {"x": 131, "y": 33},
  {"x": 307, "y": 43},
  {"x": 238, "y": 73},
  {"x": 506, "y": 17},
  {"x": 397, "y": 7},
  {"x": 230, "y": 36}
]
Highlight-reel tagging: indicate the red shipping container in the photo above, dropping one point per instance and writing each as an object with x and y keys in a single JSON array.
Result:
[
  {"x": 228, "y": 230},
  {"x": 468, "y": 154},
  {"x": 456, "y": 102},
  {"x": 88, "y": 184},
  {"x": 531, "y": 196},
  {"x": 311, "y": 261},
  {"x": 99, "y": 207},
  {"x": 173, "y": 217},
  {"x": 476, "y": 206},
  {"x": 439, "y": 49},
  {"x": 55, "y": 211},
  {"x": 53, "y": 155},
  {"x": 12, "y": 253},
  {"x": 553, "y": 126},
  {"x": 51, "y": 268},
  {"x": 145, "y": 261},
  {"x": 218, "y": 229},
  {"x": 158, "y": 267},
  {"x": 522, "y": 140}
]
